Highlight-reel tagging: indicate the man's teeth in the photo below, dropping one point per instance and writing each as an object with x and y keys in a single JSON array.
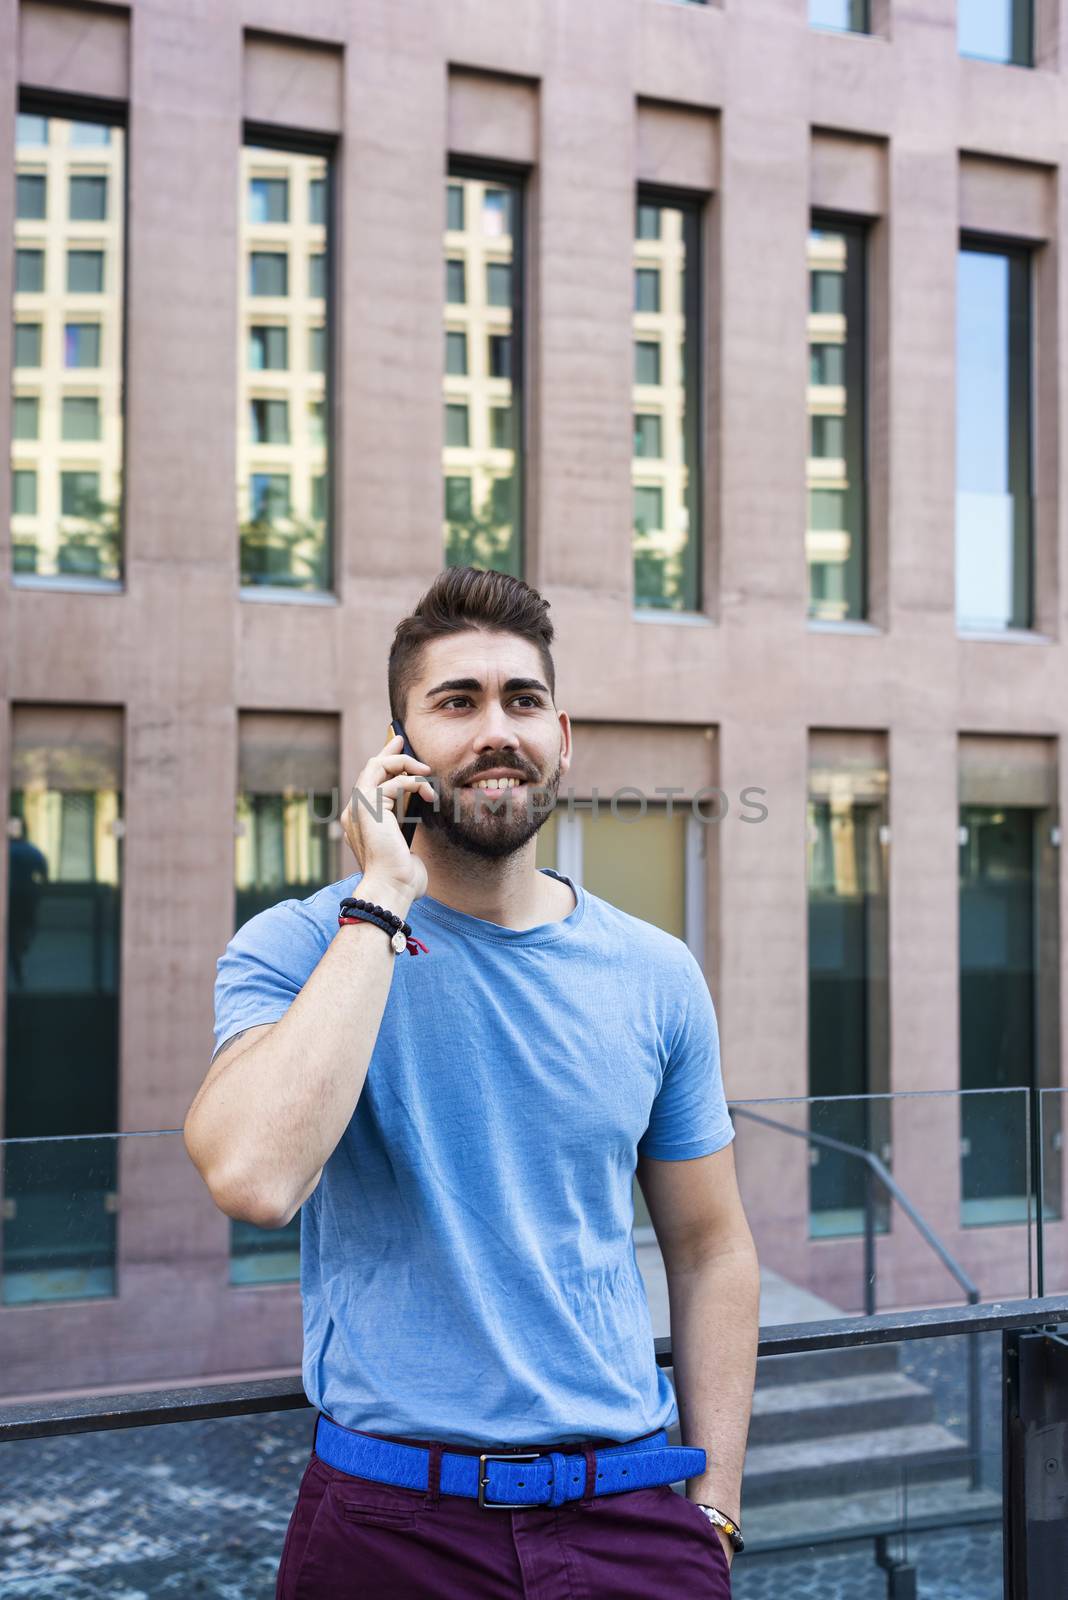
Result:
[{"x": 497, "y": 783}]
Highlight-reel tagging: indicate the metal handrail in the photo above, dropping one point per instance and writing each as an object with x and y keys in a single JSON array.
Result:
[
  {"x": 878, "y": 1169},
  {"x": 883, "y": 1174},
  {"x": 40, "y": 1419}
]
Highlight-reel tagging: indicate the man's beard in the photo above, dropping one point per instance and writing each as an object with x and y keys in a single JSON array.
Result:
[{"x": 491, "y": 825}]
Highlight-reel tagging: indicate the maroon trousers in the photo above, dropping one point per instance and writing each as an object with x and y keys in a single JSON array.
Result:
[{"x": 351, "y": 1538}]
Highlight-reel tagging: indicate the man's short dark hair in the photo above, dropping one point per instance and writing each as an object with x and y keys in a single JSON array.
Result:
[{"x": 461, "y": 598}]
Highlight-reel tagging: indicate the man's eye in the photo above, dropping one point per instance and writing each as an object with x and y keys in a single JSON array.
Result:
[{"x": 456, "y": 698}]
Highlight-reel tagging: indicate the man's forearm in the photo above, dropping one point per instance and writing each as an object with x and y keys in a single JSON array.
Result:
[
  {"x": 261, "y": 1132},
  {"x": 715, "y": 1317}
]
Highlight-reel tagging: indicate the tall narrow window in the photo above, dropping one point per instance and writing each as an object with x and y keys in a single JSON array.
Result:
[
  {"x": 997, "y": 30},
  {"x": 1009, "y": 967},
  {"x": 482, "y": 462},
  {"x": 846, "y": 16},
  {"x": 848, "y": 971},
  {"x": 836, "y": 536},
  {"x": 648, "y": 858},
  {"x": 994, "y": 434},
  {"x": 666, "y": 472},
  {"x": 62, "y": 1029},
  {"x": 284, "y": 343},
  {"x": 287, "y": 846},
  {"x": 68, "y": 345}
]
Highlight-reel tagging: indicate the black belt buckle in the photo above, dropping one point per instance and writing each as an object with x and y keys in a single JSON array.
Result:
[{"x": 503, "y": 1505}]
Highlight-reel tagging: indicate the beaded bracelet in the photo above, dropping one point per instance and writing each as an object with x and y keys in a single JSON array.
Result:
[
  {"x": 400, "y": 933},
  {"x": 351, "y": 904}
]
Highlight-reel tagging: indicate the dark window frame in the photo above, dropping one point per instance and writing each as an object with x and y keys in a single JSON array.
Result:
[
  {"x": 695, "y": 206},
  {"x": 515, "y": 176},
  {"x": 298, "y": 141},
  {"x": 1022, "y": 435},
  {"x": 856, "y": 373}
]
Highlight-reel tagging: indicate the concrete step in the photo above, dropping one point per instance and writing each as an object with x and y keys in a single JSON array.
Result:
[
  {"x": 788, "y": 1523},
  {"x": 815, "y": 1410},
  {"x": 851, "y": 1463},
  {"x": 815, "y": 1364}
]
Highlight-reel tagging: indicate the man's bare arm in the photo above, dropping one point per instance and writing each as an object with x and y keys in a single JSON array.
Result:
[
  {"x": 273, "y": 1107},
  {"x": 278, "y": 1097},
  {"x": 713, "y": 1279}
]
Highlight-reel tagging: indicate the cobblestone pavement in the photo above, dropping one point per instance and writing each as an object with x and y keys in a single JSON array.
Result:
[
  {"x": 198, "y": 1511},
  {"x": 194, "y": 1511},
  {"x": 953, "y": 1566}
]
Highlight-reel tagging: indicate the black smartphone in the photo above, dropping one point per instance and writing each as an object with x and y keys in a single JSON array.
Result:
[{"x": 413, "y": 806}]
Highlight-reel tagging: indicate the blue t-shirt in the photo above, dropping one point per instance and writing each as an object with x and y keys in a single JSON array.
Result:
[{"x": 467, "y": 1264}]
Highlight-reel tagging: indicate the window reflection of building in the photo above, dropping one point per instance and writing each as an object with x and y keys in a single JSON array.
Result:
[
  {"x": 62, "y": 1027},
  {"x": 283, "y": 448},
  {"x": 67, "y": 449},
  {"x": 848, "y": 972},
  {"x": 287, "y": 846},
  {"x": 1009, "y": 971},
  {"x": 835, "y": 540},
  {"x": 482, "y": 461},
  {"x": 665, "y": 482},
  {"x": 651, "y": 866}
]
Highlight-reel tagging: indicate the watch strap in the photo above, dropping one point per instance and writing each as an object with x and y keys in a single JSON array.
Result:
[{"x": 725, "y": 1523}]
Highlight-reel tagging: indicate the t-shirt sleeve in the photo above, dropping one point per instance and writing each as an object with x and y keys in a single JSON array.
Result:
[
  {"x": 264, "y": 967},
  {"x": 689, "y": 1116}
]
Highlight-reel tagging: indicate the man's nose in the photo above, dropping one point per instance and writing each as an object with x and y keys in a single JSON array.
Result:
[{"x": 495, "y": 728}]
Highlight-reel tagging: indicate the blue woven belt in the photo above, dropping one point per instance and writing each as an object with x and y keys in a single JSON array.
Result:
[{"x": 533, "y": 1478}]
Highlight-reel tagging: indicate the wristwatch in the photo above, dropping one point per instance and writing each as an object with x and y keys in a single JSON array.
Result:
[{"x": 728, "y": 1525}]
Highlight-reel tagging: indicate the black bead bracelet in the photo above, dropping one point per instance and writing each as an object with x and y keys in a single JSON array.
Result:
[{"x": 390, "y": 917}]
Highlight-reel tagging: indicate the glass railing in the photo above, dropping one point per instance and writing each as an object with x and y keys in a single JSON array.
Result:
[
  {"x": 859, "y": 1460},
  {"x": 1053, "y": 1190},
  {"x": 856, "y": 1204},
  {"x": 867, "y": 1454},
  {"x": 883, "y": 1201},
  {"x": 118, "y": 1275},
  {"x": 59, "y": 1210}
]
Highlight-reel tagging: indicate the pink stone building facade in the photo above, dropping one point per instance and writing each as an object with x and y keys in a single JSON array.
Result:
[{"x": 762, "y": 123}]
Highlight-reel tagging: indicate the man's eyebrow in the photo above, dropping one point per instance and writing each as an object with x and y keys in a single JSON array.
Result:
[{"x": 510, "y": 687}]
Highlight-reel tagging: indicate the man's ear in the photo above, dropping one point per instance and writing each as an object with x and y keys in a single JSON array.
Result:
[{"x": 565, "y": 742}]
